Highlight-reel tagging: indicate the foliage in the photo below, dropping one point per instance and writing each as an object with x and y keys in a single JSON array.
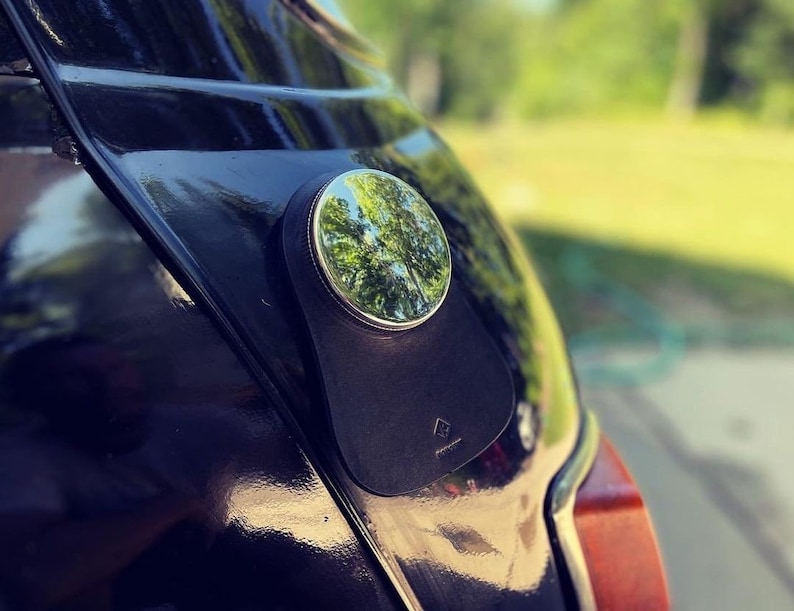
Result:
[
  {"x": 537, "y": 58},
  {"x": 454, "y": 57},
  {"x": 597, "y": 55},
  {"x": 764, "y": 58}
]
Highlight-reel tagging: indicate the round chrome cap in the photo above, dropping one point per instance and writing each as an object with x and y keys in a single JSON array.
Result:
[{"x": 381, "y": 248}]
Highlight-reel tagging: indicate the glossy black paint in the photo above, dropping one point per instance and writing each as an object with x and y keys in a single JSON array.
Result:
[
  {"x": 204, "y": 167},
  {"x": 132, "y": 442},
  {"x": 10, "y": 49},
  {"x": 234, "y": 40},
  {"x": 168, "y": 113},
  {"x": 26, "y": 115}
]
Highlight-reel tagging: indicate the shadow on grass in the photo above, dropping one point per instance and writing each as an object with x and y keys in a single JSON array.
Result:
[{"x": 621, "y": 294}]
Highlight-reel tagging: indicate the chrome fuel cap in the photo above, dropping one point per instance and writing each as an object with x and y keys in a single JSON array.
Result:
[{"x": 381, "y": 249}]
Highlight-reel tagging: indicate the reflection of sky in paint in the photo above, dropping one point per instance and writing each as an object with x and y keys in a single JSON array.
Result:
[
  {"x": 332, "y": 11},
  {"x": 55, "y": 224},
  {"x": 54, "y": 220}
]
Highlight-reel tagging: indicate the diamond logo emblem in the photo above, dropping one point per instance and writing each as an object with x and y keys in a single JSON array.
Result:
[{"x": 442, "y": 429}]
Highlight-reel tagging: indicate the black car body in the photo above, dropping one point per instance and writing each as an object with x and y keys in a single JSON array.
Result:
[{"x": 171, "y": 433}]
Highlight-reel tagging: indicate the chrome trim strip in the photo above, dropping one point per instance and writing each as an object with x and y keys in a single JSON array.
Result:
[
  {"x": 563, "y": 497},
  {"x": 115, "y": 77}
]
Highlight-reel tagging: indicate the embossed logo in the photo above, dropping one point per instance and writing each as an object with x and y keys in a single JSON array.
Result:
[{"x": 443, "y": 428}]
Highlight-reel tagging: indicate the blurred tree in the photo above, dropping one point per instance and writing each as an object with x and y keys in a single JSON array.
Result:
[
  {"x": 686, "y": 86},
  {"x": 451, "y": 57},
  {"x": 597, "y": 55},
  {"x": 476, "y": 58},
  {"x": 764, "y": 59},
  {"x": 709, "y": 31}
]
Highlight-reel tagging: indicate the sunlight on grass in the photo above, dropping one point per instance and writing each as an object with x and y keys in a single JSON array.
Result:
[{"x": 715, "y": 193}]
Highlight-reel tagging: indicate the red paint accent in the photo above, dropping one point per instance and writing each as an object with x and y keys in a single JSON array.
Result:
[{"x": 617, "y": 538}]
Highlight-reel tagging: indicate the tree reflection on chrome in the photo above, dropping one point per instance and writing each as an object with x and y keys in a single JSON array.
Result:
[{"x": 382, "y": 247}]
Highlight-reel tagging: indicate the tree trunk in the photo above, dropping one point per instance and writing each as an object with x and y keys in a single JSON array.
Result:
[
  {"x": 424, "y": 82},
  {"x": 690, "y": 64}
]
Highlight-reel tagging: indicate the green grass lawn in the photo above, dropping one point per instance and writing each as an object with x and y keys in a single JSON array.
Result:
[
  {"x": 718, "y": 194},
  {"x": 696, "y": 218}
]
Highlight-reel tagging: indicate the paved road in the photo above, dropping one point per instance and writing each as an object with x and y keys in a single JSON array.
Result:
[{"x": 712, "y": 449}]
